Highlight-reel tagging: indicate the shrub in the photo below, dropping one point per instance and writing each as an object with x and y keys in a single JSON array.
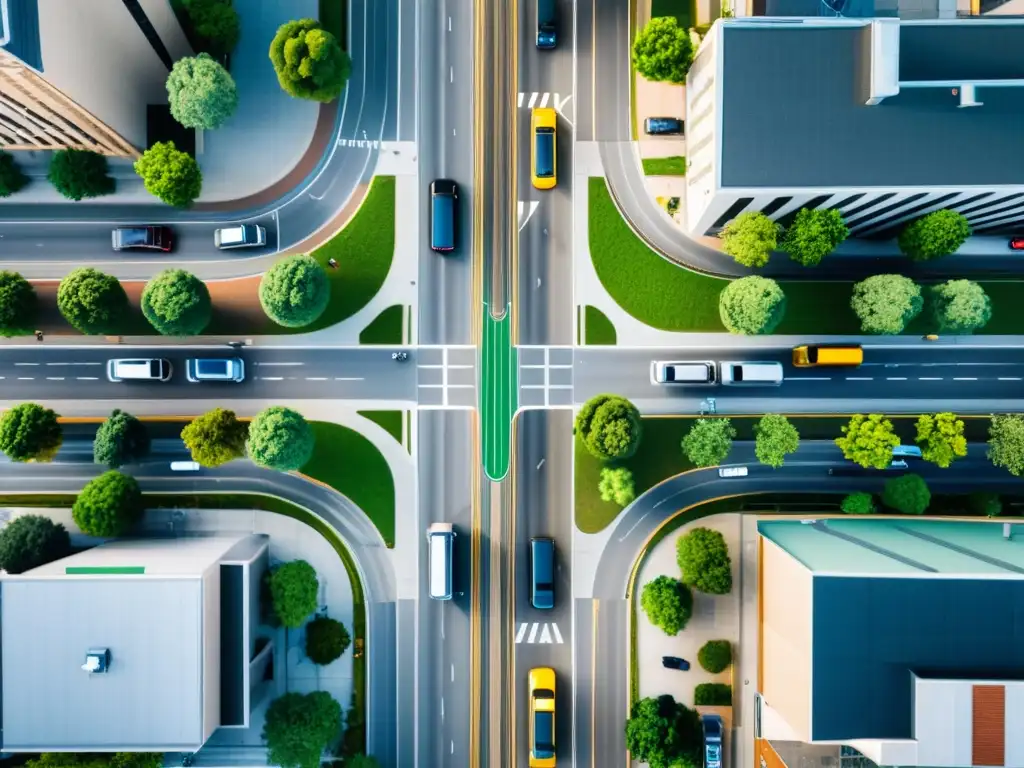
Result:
[
  {"x": 708, "y": 442},
  {"x": 813, "y": 235},
  {"x": 216, "y": 437},
  {"x": 868, "y": 441},
  {"x": 201, "y": 93},
  {"x": 108, "y": 505},
  {"x": 18, "y": 304},
  {"x": 30, "y": 541},
  {"x": 177, "y": 303},
  {"x": 217, "y": 23},
  {"x": 908, "y": 494},
  {"x": 309, "y": 62},
  {"x": 121, "y": 439},
  {"x": 295, "y": 291},
  {"x": 616, "y": 485},
  {"x": 11, "y": 177},
  {"x": 937, "y": 234},
  {"x": 609, "y": 427},
  {"x": 668, "y": 604},
  {"x": 941, "y": 438},
  {"x": 170, "y": 174},
  {"x": 715, "y": 656},
  {"x": 280, "y": 438},
  {"x": 752, "y": 305},
  {"x": 326, "y": 640},
  {"x": 662, "y": 50},
  {"x": 985, "y": 503},
  {"x": 1005, "y": 443},
  {"x": 960, "y": 306},
  {"x": 30, "y": 432},
  {"x": 293, "y": 592},
  {"x": 664, "y": 733},
  {"x": 79, "y": 173},
  {"x": 750, "y": 238},
  {"x": 886, "y": 303},
  {"x": 299, "y": 727},
  {"x": 712, "y": 695},
  {"x": 92, "y": 302},
  {"x": 858, "y": 503},
  {"x": 775, "y": 438},
  {"x": 703, "y": 558}
]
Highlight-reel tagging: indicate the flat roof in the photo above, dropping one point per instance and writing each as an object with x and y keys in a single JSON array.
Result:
[{"x": 182, "y": 557}]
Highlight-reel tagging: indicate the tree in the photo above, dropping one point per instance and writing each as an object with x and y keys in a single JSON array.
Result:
[
  {"x": 79, "y": 173},
  {"x": 216, "y": 437},
  {"x": 309, "y": 62},
  {"x": 299, "y": 727},
  {"x": 703, "y": 558},
  {"x": 664, "y": 733},
  {"x": 609, "y": 427},
  {"x": 886, "y": 303},
  {"x": 170, "y": 174},
  {"x": 858, "y": 503},
  {"x": 1005, "y": 443},
  {"x": 712, "y": 695},
  {"x": 11, "y": 177},
  {"x": 97, "y": 760},
  {"x": 326, "y": 640},
  {"x": 217, "y": 23},
  {"x": 108, "y": 505},
  {"x": 752, "y": 305},
  {"x": 293, "y": 592},
  {"x": 775, "y": 437},
  {"x": 295, "y": 291},
  {"x": 708, "y": 442},
  {"x": 663, "y": 51},
  {"x": 30, "y": 541},
  {"x": 937, "y": 234},
  {"x": 280, "y": 438},
  {"x": 750, "y": 238},
  {"x": 616, "y": 485},
  {"x": 18, "y": 304},
  {"x": 941, "y": 438},
  {"x": 177, "y": 303},
  {"x": 908, "y": 494},
  {"x": 202, "y": 94},
  {"x": 868, "y": 441},
  {"x": 668, "y": 604},
  {"x": 92, "y": 301},
  {"x": 960, "y": 306},
  {"x": 985, "y": 503},
  {"x": 121, "y": 439},
  {"x": 361, "y": 761},
  {"x": 715, "y": 656},
  {"x": 813, "y": 235},
  {"x": 30, "y": 432}
]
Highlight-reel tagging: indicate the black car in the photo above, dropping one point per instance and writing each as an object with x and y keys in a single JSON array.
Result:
[
  {"x": 149, "y": 238},
  {"x": 664, "y": 126},
  {"x": 674, "y": 662}
]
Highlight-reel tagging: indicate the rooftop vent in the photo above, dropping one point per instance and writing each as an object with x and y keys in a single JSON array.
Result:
[
  {"x": 968, "y": 96},
  {"x": 97, "y": 660}
]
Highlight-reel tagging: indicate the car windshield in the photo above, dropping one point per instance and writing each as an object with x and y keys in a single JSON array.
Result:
[
  {"x": 213, "y": 367},
  {"x": 134, "y": 236},
  {"x": 545, "y": 152},
  {"x": 714, "y": 753}
]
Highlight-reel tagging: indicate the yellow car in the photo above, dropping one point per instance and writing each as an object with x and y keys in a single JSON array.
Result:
[
  {"x": 543, "y": 122},
  {"x": 542, "y": 717}
]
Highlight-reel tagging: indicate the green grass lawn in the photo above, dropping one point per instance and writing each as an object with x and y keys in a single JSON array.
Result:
[
  {"x": 665, "y": 166},
  {"x": 683, "y": 10},
  {"x": 389, "y": 420},
  {"x": 385, "y": 328},
  {"x": 597, "y": 327}
]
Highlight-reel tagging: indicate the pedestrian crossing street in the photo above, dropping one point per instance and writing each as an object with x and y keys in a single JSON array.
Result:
[{"x": 538, "y": 633}]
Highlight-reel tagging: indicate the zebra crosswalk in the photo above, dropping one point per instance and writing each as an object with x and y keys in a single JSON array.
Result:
[
  {"x": 531, "y": 99},
  {"x": 538, "y": 632}
]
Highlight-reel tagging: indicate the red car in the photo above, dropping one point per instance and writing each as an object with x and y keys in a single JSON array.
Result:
[
  {"x": 1017, "y": 244},
  {"x": 151, "y": 238}
]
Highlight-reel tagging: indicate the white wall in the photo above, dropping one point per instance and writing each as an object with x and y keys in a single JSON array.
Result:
[{"x": 211, "y": 650}]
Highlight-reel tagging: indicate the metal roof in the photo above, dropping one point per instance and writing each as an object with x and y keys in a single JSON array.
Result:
[{"x": 19, "y": 24}]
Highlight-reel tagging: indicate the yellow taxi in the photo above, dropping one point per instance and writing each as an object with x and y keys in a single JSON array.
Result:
[
  {"x": 543, "y": 165},
  {"x": 542, "y": 717}
]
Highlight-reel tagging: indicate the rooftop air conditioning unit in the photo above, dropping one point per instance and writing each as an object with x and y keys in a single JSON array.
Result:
[{"x": 97, "y": 660}]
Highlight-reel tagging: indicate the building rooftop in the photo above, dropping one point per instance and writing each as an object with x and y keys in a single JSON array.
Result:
[
  {"x": 188, "y": 557},
  {"x": 19, "y": 30}
]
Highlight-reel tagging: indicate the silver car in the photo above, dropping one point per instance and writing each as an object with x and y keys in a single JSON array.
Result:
[
  {"x": 751, "y": 374},
  {"x": 215, "y": 369},
  {"x": 241, "y": 236}
]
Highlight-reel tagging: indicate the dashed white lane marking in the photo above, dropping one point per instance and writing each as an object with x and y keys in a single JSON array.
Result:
[
  {"x": 860, "y": 378},
  {"x": 965, "y": 378},
  {"x": 26, "y": 378},
  {"x": 316, "y": 378},
  {"x": 87, "y": 378},
  {"x": 808, "y": 378},
  {"x": 271, "y": 378},
  {"x": 539, "y": 386},
  {"x": 349, "y": 378},
  {"x": 1009, "y": 378},
  {"x": 74, "y": 363},
  {"x": 280, "y": 363},
  {"x": 55, "y": 378},
  {"x": 895, "y": 378},
  {"x": 929, "y": 378},
  {"x": 26, "y": 364}
]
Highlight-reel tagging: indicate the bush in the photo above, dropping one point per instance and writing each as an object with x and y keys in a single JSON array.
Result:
[
  {"x": 30, "y": 541},
  {"x": 11, "y": 177},
  {"x": 752, "y": 305},
  {"x": 293, "y": 592},
  {"x": 170, "y": 174},
  {"x": 121, "y": 439},
  {"x": 326, "y": 640},
  {"x": 775, "y": 438},
  {"x": 309, "y": 62},
  {"x": 868, "y": 441},
  {"x": 616, "y": 485},
  {"x": 217, "y": 23},
  {"x": 668, "y": 604},
  {"x": 886, "y": 303},
  {"x": 201, "y": 93},
  {"x": 750, "y": 238},
  {"x": 813, "y": 235},
  {"x": 941, "y": 438},
  {"x": 295, "y": 291},
  {"x": 708, "y": 442},
  {"x": 108, "y": 505},
  {"x": 92, "y": 302},
  {"x": 985, "y": 503},
  {"x": 177, "y": 303},
  {"x": 97, "y": 760},
  {"x": 609, "y": 427},
  {"x": 662, "y": 50},
  {"x": 908, "y": 494},
  {"x": 858, "y": 503},
  {"x": 18, "y": 304},
  {"x": 712, "y": 695},
  {"x": 1005, "y": 443},
  {"x": 715, "y": 656},
  {"x": 30, "y": 432},
  {"x": 299, "y": 727},
  {"x": 280, "y": 438},
  {"x": 664, "y": 733},
  {"x": 79, "y": 173},
  {"x": 703, "y": 558},
  {"x": 960, "y": 306},
  {"x": 937, "y": 234},
  {"x": 215, "y": 438}
]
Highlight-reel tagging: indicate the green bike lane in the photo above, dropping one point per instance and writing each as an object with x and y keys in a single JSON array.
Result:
[{"x": 498, "y": 392}]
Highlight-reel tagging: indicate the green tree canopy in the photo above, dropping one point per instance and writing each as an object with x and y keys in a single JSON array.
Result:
[
  {"x": 216, "y": 437},
  {"x": 295, "y": 291},
  {"x": 280, "y": 438},
  {"x": 715, "y": 656},
  {"x": 941, "y": 438},
  {"x": 775, "y": 438},
  {"x": 858, "y": 503},
  {"x": 92, "y": 301},
  {"x": 752, "y": 305},
  {"x": 177, "y": 303},
  {"x": 202, "y": 94},
  {"x": 108, "y": 505},
  {"x": 29, "y": 541},
  {"x": 326, "y": 640},
  {"x": 299, "y": 727},
  {"x": 97, "y": 760},
  {"x": 886, "y": 303},
  {"x": 908, "y": 494},
  {"x": 664, "y": 733},
  {"x": 813, "y": 235},
  {"x": 609, "y": 427},
  {"x": 1005, "y": 443},
  {"x": 121, "y": 439},
  {"x": 750, "y": 238},
  {"x": 170, "y": 174},
  {"x": 668, "y": 604},
  {"x": 708, "y": 441},
  {"x": 985, "y": 503},
  {"x": 30, "y": 432},
  {"x": 217, "y": 23},
  {"x": 12, "y": 179},
  {"x": 293, "y": 592},
  {"x": 940, "y": 233},
  {"x": 616, "y": 485},
  {"x": 868, "y": 441},
  {"x": 703, "y": 558},
  {"x": 18, "y": 304},
  {"x": 309, "y": 62},
  {"x": 960, "y": 306},
  {"x": 662, "y": 50},
  {"x": 78, "y": 174},
  {"x": 361, "y": 761}
]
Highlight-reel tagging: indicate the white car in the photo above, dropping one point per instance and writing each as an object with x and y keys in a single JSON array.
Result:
[
  {"x": 241, "y": 236},
  {"x": 751, "y": 374},
  {"x": 732, "y": 472}
]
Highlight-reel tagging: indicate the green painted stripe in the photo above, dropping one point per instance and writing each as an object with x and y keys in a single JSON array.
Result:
[
  {"x": 499, "y": 393},
  {"x": 103, "y": 570}
]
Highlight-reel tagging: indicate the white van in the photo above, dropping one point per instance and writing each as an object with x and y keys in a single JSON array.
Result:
[
  {"x": 152, "y": 369},
  {"x": 753, "y": 374},
  {"x": 440, "y": 543},
  {"x": 686, "y": 372}
]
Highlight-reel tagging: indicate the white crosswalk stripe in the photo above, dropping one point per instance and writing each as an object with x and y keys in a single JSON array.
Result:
[
  {"x": 534, "y": 99},
  {"x": 538, "y": 633},
  {"x": 526, "y": 210}
]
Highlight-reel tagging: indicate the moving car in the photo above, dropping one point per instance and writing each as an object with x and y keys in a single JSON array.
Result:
[
  {"x": 547, "y": 25},
  {"x": 814, "y": 354},
  {"x": 752, "y": 374},
  {"x": 149, "y": 369},
  {"x": 542, "y": 573},
  {"x": 664, "y": 126},
  {"x": 440, "y": 543},
  {"x": 543, "y": 122},
  {"x": 542, "y": 717},
  {"x": 713, "y": 731},
  {"x": 732, "y": 472},
  {"x": 444, "y": 215},
  {"x": 215, "y": 369},
  {"x": 148, "y": 238},
  {"x": 685, "y": 372},
  {"x": 906, "y": 452},
  {"x": 241, "y": 236},
  {"x": 674, "y": 662},
  {"x": 1017, "y": 244}
]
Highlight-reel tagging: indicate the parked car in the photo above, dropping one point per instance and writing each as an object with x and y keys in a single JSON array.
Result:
[
  {"x": 713, "y": 731},
  {"x": 145, "y": 369},
  {"x": 683, "y": 372},
  {"x": 147, "y": 238},
  {"x": 1017, "y": 244},
  {"x": 674, "y": 662},
  {"x": 752, "y": 374},
  {"x": 664, "y": 126},
  {"x": 241, "y": 236},
  {"x": 215, "y": 369}
]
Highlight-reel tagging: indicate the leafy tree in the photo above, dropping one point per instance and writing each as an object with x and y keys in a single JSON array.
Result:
[
  {"x": 361, "y": 761},
  {"x": 715, "y": 656},
  {"x": 712, "y": 695},
  {"x": 750, "y": 238},
  {"x": 299, "y": 727},
  {"x": 1005, "y": 443},
  {"x": 108, "y": 505},
  {"x": 941, "y": 438},
  {"x": 92, "y": 301},
  {"x": 177, "y": 303},
  {"x": 295, "y": 291},
  {"x": 30, "y": 432},
  {"x": 985, "y": 503},
  {"x": 280, "y": 438},
  {"x": 309, "y": 62},
  {"x": 79, "y": 173},
  {"x": 121, "y": 439},
  {"x": 886, "y": 303},
  {"x": 664, "y": 733},
  {"x": 137, "y": 760},
  {"x": 217, "y": 23},
  {"x": 709, "y": 441},
  {"x": 937, "y": 234},
  {"x": 30, "y": 541},
  {"x": 18, "y": 304},
  {"x": 97, "y": 760},
  {"x": 663, "y": 51},
  {"x": 170, "y": 174},
  {"x": 775, "y": 437},
  {"x": 11, "y": 177},
  {"x": 293, "y": 591},
  {"x": 202, "y": 94},
  {"x": 216, "y": 437},
  {"x": 752, "y": 305},
  {"x": 616, "y": 485},
  {"x": 868, "y": 441},
  {"x": 609, "y": 427},
  {"x": 326, "y": 640},
  {"x": 814, "y": 234},
  {"x": 703, "y": 558},
  {"x": 908, "y": 494},
  {"x": 668, "y": 604},
  {"x": 960, "y": 306},
  {"x": 858, "y": 503}
]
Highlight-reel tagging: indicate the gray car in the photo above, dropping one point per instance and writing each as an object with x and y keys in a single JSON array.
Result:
[
  {"x": 215, "y": 369},
  {"x": 240, "y": 236}
]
